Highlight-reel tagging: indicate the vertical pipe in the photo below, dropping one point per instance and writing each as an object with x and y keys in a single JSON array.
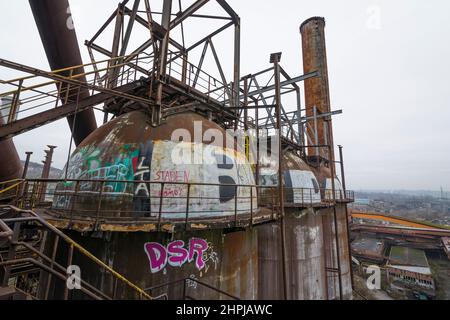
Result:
[
  {"x": 257, "y": 146},
  {"x": 46, "y": 171},
  {"x": 237, "y": 62},
  {"x": 275, "y": 59},
  {"x": 299, "y": 117},
  {"x": 49, "y": 280},
  {"x": 162, "y": 62},
  {"x": 27, "y": 163},
  {"x": 54, "y": 21},
  {"x": 69, "y": 263},
  {"x": 336, "y": 229},
  {"x": 341, "y": 158},
  {"x": 317, "y": 91},
  {"x": 316, "y": 132},
  {"x": 24, "y": 175}
]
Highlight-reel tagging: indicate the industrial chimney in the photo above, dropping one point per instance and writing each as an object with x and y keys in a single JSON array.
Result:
[
  {"x": 317, "y": 91},
  {"x": 54, "y": 21}
]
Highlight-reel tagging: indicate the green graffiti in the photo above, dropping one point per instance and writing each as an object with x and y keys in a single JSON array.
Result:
[{"x": 98, "y": 163}]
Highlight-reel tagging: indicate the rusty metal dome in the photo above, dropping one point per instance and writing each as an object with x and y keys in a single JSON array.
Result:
[{"x": 129, "y": 169}]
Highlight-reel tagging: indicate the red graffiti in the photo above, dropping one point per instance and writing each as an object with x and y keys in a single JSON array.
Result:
[{"x": 171, "y": 176}]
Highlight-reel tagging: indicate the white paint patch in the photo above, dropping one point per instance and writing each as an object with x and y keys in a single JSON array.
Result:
[{"x": 204, "y": 200}]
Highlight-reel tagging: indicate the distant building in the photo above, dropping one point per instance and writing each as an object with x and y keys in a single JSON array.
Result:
[
  {"x": 410, "y": 268},
  {"x": 368, "y": 249},
  {"x": 363, "y": 202}
]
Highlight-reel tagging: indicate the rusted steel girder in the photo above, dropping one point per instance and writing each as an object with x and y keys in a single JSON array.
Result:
[
  {"x": 54, "y": 21},
  {"x": 66, "y": 110}
]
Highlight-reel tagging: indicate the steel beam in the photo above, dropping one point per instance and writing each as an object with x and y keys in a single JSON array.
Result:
[
  {"x": 40, "y": 119},
  {"x": 186, "y": 13}
]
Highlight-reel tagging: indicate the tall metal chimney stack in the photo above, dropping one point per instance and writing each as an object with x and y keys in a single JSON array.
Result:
[
  {"x": 317, "y": 91},
  {"x": 54, "y": 21}
]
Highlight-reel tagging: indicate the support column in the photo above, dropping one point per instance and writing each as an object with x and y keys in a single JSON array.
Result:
[{"x": 275, "y": 59}]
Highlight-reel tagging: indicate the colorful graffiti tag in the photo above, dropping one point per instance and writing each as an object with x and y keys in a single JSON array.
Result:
[
  {"x": 175, "y": 254},
  {"x": 94, "y": 163},
  {"x": 143, "y": 175}
]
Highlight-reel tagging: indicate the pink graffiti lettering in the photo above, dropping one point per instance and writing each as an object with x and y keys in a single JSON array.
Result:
[
  {"x": 197, "y": 246},
  {"x": 175, "y": 254},
  {"x": 157, "y": 256},
  {"x": 178, "y": 255}
]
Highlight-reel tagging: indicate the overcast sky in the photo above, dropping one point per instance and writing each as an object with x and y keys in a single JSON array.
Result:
[{"x": 388, "y": 67}]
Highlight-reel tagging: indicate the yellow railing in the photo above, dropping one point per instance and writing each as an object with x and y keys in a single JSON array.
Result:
[{"x": 82, "y": 250}]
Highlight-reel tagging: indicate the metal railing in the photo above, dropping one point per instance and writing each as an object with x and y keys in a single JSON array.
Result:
[
  {"x": 11, "y": 230},
  {"x": 40, "y": 91},
  {"x": 10, "y": 189},
  {"x": 193, "y": 76},
  {"x": 184, "y": 285},
  {"x": 174, "y": 202}
]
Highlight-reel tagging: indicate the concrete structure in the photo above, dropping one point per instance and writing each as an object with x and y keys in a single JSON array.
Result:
[
  {"x": 369, "y": 249},
  {"x": 409, "y": 267}
]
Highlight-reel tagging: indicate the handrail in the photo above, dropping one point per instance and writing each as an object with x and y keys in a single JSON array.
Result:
[
  {"x": 34, "y": 93},
  {"x": 82, "y": 250},
  {"x": 184, "y": 280},
  {"x": 46, "y": 268},
  {"x": 68, "y": 197},
  {"x": 71, "y": 68},
  {"x": 12, "y": 186}
]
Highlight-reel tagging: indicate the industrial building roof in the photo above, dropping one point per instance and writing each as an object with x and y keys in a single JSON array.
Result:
[
  {"x": 408, "y": 257},
  {"x": 375, "y": 246}
]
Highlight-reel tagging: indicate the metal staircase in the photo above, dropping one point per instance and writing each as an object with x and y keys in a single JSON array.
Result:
[
  {"x": 31, "y": 270},
  {"x": 26, "y": 269}
]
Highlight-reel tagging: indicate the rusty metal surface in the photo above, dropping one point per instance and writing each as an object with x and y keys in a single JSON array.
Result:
[
  {"x": 127, "y": 168},
  {"x": 345, "y": 260},
  {"x": 227, "y": 264},
  {"x": 151, "y": 225},
  {"x": 300, "y": 189},
  {"x": 331, "y": 258},
  {"x": 306, "y": 259},
  {"x": 332, "y": 279},
  {"x": 310, "y": 252},
  {"x": 317, "y": 93},
  {"x": 53, "y": 19},
  {"x": 239, "y": 267},
  {"x": 11, "y": 167},
  {"x": 270, "y": 283}
]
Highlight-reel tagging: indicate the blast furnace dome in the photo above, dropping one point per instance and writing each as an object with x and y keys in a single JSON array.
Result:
[
  {"x": 127, "y": 168},
  {"x": 324, "y": 177},
  {"x": 300, "y": 183}
]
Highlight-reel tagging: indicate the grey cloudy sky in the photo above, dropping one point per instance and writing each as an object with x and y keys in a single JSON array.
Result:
[{"x": 388, "y": 68}]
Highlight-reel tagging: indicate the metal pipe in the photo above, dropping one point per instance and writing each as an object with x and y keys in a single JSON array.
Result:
[
  {"x": 336, "y": 231},
  {"x": 27, "y": 163},
  {"x": 162, "y": 61},
  {"x": 341, "y": 158},
  {"x": 275, "y": 59},
  {"x": 317, "y": 91},
  {"x": 46, "y": 171},
  {"x": 54, "y": 22}
]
